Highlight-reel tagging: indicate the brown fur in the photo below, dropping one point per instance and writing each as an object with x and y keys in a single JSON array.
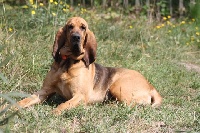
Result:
[{"x": 78, "y": 79}]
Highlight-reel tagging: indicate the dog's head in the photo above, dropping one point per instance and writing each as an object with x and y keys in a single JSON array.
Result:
[{"x": 75, "y": 41}]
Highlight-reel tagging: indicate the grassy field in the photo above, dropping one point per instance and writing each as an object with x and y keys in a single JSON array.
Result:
[{"x": 157, "y": 50}]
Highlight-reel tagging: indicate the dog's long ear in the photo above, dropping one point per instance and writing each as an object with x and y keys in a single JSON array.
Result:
[
  {"x": 58, "y": 43},
  {"x": 90, "y": 47}
]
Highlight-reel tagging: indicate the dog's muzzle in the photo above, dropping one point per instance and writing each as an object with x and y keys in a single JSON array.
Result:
[{"x": 76, "y": 46}]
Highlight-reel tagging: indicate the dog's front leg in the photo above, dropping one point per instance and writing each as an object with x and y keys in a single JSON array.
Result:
[
  {"x": 75, "y": 101},
  {"x": 41, "y": 95},
  {"x": 37, "y": 97}
]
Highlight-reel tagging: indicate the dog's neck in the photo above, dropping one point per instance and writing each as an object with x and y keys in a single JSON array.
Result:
[{"x": 70, "y": 63}]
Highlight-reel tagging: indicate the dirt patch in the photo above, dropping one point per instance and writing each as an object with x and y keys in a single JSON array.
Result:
[{"x": 191, "y": 67}]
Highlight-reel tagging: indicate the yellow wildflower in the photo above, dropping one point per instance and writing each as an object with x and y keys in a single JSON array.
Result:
[
  {"x": 34, "y": 6},
  {"x": 187, "y": 43},
  {"x": 164, "y": 18},
  {"x": 158, "y": 27},
  {"x": 197, "y": 33},
  {"x": 130, "y": 26},
  {"x": 183, "y": 22},
  {"x": 61, "y": 2},
  {"x": 192, "y": 38},
  {"x": 168, "y": 17},
  {"x": 53, "y": 14},
  {"x": 51, "y": 1},
  {"x": 33, "y": 12},
  {"x": 169, "y": 31},
  {"x": 173, "y": 26},
  {"x": 67, "y": 6},
  {"x": 193, "y": 19},
  {"x": 168, "y": 22},
  {"x": 31, "y": 1},
  {"x": 65, "y": 10},
  {"x": 25, "y": 6},
  {"x": 83, "y": 9},
  {"x": 196, "y": 28},
  {"x": 162, "y": 25},
  {"x": 56, "y": 3},
  {"x": 41, "y": 4},
  {"x": 10, "y": 29}
]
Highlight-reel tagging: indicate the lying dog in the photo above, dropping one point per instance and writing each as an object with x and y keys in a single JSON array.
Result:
[{"x": 76, "y": 77}]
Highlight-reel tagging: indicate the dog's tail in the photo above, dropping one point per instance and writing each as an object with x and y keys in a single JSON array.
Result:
[{"x": 156, "y": 98}]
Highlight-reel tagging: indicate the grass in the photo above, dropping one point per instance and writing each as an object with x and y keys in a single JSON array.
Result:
[{"x": 122, "y": 42}]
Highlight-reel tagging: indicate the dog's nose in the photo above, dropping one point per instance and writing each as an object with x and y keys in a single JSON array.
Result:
[{"x": 76, "y": 37}]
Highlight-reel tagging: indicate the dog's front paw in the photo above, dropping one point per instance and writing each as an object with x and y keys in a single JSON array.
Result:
[{"x": 57, "y": 111}]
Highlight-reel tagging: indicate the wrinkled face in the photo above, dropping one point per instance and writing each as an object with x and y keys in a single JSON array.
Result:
[{"x": 76, "y": 29}]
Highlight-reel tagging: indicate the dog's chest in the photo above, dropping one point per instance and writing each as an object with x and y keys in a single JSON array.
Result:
[{"x": 69, "y": 83}]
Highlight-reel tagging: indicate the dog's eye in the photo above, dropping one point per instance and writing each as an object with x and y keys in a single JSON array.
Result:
[
  {"x": 83, "y": 27},
  {"x": 70, "y": 27}
]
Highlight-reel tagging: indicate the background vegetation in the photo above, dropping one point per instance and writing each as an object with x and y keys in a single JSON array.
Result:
[{"x": 162, "y": 45}]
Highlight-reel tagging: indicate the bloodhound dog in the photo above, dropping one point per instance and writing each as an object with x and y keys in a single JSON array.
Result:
[{"x": 76, "y": 77}]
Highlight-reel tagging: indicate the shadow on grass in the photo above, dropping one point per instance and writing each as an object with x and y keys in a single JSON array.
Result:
[{"x": 54, "y": 100}]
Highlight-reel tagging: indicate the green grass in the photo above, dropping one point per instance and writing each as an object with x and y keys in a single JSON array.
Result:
[{"x": 156, "y": 53}]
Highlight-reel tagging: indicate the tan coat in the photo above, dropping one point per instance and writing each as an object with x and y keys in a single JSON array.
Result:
[{"x": 76, "y": 77}]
